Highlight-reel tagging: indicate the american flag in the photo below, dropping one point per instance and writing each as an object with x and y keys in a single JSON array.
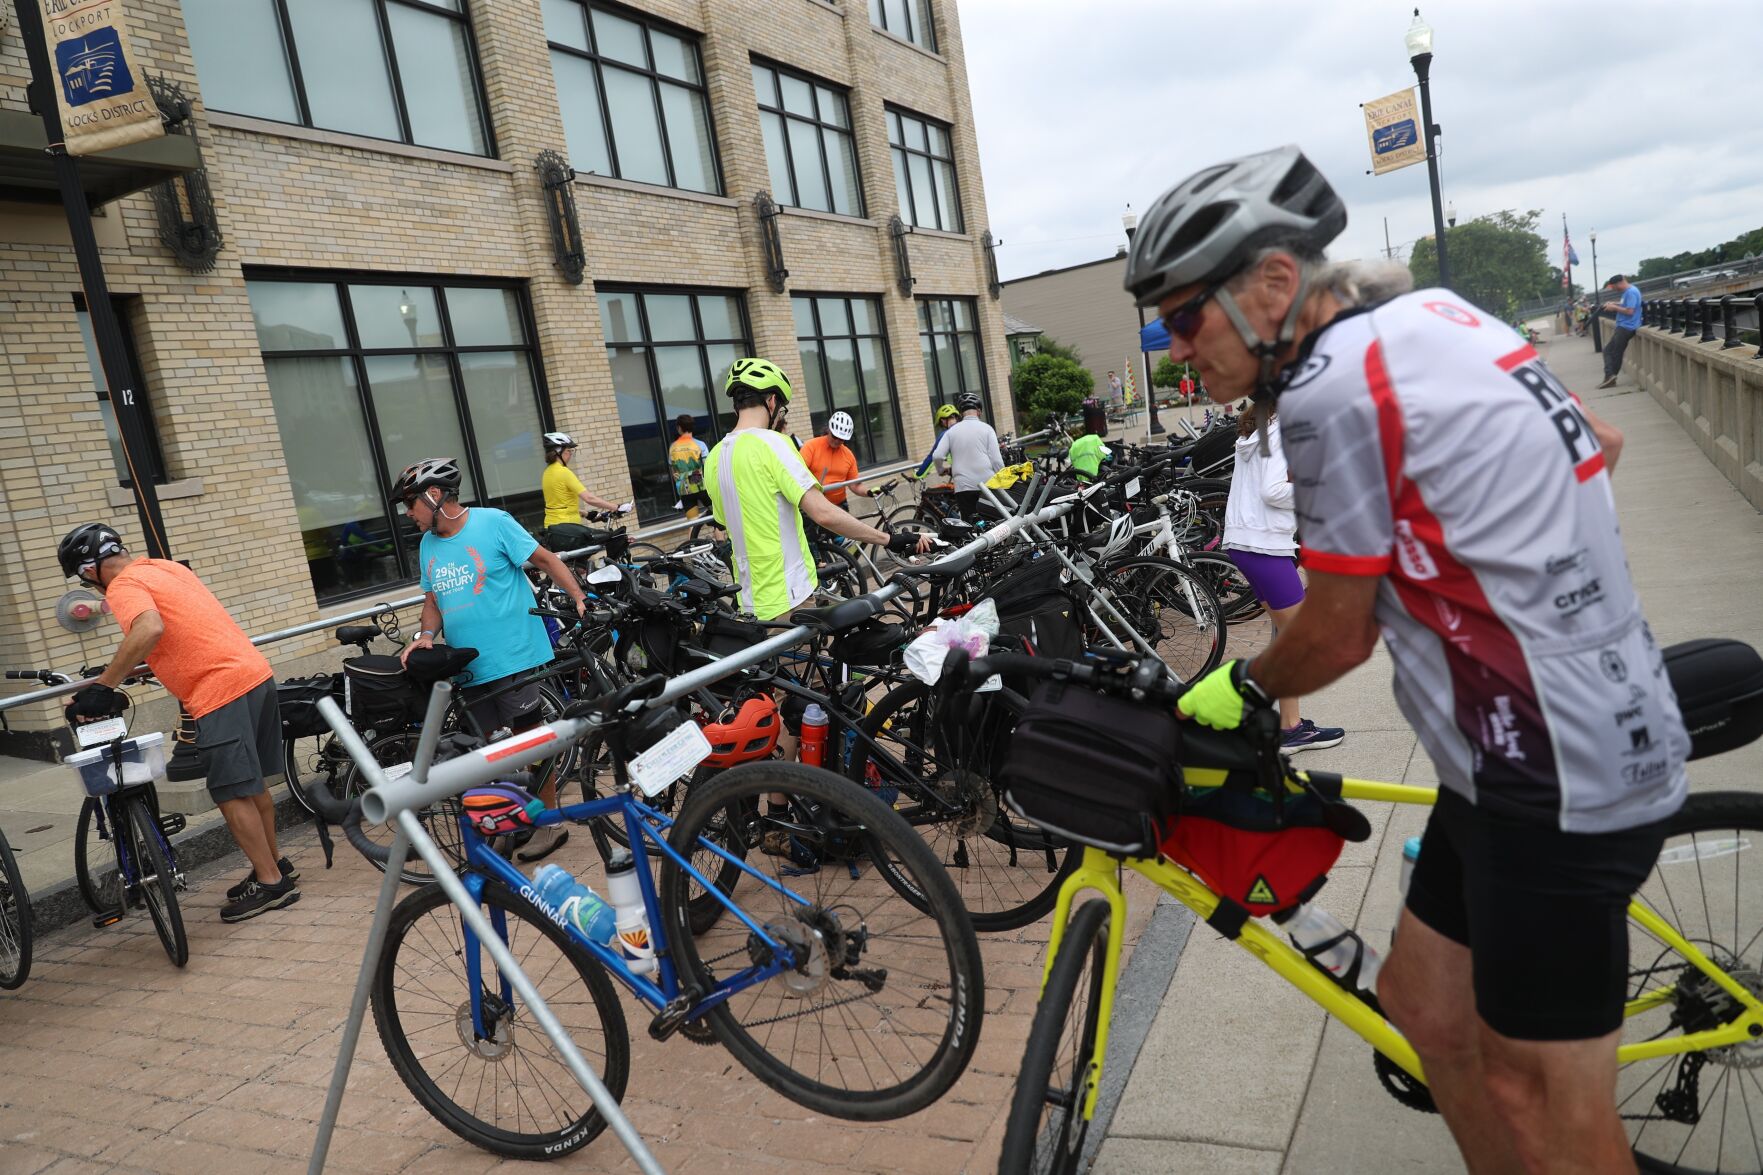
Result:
[{"x": 1567, "y": 246}]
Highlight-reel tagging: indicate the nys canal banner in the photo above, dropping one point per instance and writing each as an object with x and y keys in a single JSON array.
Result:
[
  {"x": 1392, "y": 124},
  {"x": 98, "y": 81}
]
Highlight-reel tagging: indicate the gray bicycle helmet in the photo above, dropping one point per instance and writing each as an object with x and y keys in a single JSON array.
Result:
[
  {"x": 1207, "y": 226},
  {"x": 969, "y": 402},
  {"x": 430, "y": 471}
]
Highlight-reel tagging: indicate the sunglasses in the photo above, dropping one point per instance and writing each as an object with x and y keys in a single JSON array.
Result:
[
  {"x": 411, "y": 501},
  {"x": 1184, "y": 320}
]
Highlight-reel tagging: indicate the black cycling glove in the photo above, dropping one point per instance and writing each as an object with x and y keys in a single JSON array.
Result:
[
  {"x": 97, "y": 701},
  {"x": 903, "y": 542}
]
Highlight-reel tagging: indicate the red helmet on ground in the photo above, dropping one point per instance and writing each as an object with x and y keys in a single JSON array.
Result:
[{"x": 749, "y": 733}]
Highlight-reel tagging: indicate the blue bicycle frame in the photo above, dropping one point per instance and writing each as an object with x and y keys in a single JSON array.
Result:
[{"x": 643, "y": 825}]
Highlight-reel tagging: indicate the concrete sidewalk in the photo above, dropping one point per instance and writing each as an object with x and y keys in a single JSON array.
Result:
[{"x": 1238, "y": 1073}]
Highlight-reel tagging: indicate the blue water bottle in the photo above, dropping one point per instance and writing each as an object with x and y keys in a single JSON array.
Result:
[{"x": 575, "y": 903}]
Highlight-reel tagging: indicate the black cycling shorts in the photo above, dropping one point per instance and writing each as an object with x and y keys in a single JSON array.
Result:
[{"x": 1543, "y": 913}]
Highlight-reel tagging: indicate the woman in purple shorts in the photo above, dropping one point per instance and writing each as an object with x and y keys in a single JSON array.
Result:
[{"x": 1260, "y": 536}]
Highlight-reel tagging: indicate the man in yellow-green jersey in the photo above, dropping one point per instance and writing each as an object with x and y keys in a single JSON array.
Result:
[{"x": 760, "y": 491}]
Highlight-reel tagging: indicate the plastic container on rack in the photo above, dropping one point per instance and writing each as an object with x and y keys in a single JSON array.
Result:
[{"x": 143, "y": 761}]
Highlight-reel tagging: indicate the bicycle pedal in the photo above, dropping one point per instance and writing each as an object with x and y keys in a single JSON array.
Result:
[
  {"x": 172, "y": 823},
  {"x": 672, "y": 1017},
  {"x": 179, "y": 882},
  {"x": 108, "y": 918}
]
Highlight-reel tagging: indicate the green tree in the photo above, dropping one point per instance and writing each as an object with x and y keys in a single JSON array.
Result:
[
  {"x": 1498, "y": 261},
  {"x": 1169, "y": 373},
  {"x": 1744, "y": 245},
  {"x": 1048, "y": 345},
  {"x": 1050, "y": 385}
]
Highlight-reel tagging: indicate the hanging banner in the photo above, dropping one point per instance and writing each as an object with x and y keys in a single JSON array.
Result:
[
  {"x": 1392, "y": 126},
  {"x": 1132, "y": 386},
  {"x": 99, "y": 86}
]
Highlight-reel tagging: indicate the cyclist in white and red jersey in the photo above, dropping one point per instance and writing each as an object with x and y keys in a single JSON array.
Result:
[{"x": 1452, "y": 493}]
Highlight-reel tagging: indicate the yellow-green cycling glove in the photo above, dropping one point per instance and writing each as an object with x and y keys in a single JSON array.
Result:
[{"x": 1220, "y": 699}]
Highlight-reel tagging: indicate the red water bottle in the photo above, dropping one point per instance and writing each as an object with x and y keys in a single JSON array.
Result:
[{"x": 814, "y": 725}]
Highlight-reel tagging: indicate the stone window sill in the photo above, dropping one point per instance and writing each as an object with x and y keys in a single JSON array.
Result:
[
  {"x": 607, "y": 181},
  {"x": 834, "y": 217},
  {"x": 264, "y": 126},
  {"x": 919, "y": 231},
  {"x": 897, "y": 39},
  {"x": 171, "y": 491}
]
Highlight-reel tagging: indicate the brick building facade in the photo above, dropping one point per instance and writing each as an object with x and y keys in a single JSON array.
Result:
[{"x": 339, "y": 242}]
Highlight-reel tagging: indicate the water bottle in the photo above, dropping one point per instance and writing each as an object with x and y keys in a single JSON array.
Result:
[
  {"x": 578, "y": 905},
  {"x": 632, "y": 916},
  {"x": 814, "y": 726},
  {"x": 1410, "y": 854},
  {"x": 1310, "y": 927}
]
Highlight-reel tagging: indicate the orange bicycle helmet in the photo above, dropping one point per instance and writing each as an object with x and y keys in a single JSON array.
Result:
[{"x": 749, "y": 732}]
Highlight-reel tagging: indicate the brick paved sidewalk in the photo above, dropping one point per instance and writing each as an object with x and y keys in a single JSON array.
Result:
[{"x": 115, "y": 1061}]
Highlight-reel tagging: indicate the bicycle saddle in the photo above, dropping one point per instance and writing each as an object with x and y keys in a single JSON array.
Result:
[
  {"x": 427, "y": 666},
  {"x": 837, "y": 617},
  {"x": 356, "y": 634}
]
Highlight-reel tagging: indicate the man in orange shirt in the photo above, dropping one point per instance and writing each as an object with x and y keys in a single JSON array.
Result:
[
  {"x": 831, "y": 460},
  {"x": 174, "y": 623}
]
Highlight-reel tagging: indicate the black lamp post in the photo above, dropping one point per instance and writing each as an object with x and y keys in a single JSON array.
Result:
[
  {"x": 1419, "y": 41},
  {"x": 1597, "y": 326},
  {"x": 1129, "y": 220}
]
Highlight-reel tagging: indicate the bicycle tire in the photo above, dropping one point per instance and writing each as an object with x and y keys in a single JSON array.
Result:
[
  {"x": 1711, "y": 835},
  {"x": 923, "y": 988},
  {"x": 1168, "y": 606},
  {"x": 102, "y": 890},
  {"x": 440, "y": 820},
  {"x": 1041, "y": 1135},
  {"x": 155, "y": 878},
  {"x": 1006, "y": 871},
  {"x": 310, "y": 759},
  {"x": 1236, "y": 596},
  {"x": 398, "y": 1015},
  {"x": 16, "y": 931}
]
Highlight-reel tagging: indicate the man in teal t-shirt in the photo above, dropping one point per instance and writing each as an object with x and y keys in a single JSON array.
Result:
[{"x": 476, "y": 591}]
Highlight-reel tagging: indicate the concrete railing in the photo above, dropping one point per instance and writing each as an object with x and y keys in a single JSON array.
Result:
[{"x": 1715, "y": 393}]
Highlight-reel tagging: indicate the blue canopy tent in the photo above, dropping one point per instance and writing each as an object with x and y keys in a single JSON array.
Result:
[{"x": 1154, "y": 336}]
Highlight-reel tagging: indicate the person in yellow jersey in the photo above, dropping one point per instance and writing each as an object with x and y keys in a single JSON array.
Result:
[
  {"x": 760, "y": 491},
  {"x": 685, "y": 461},
  {"x": 565, "y": 495}
]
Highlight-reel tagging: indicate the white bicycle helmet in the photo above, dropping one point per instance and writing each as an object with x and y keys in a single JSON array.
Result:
[
  {"x": 556, "y": 442},
  {"x": 841, "y": 425}
]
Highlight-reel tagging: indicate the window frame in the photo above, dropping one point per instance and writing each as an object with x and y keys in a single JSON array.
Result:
[
  {"x": 648, "y": 344},
  {"x": 591, "y": 55},
  {"x": 938, "y": 394},
  {"x": 881, "y": 337},
  {"x": 891, "y": 111},
  {"x": 821, "y": 127},
  {"x": 400, "y": 105},
  {"x": 357, "y": 357},
  {"x": 878, "y": 8},
  {"x": 143, "y": 395}
]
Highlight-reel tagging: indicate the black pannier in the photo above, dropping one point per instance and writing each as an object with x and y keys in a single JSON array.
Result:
[
  {"x": 1719, "y": 687},
  {"x": 380, "y": 695},
  {"x": 1099, "y": 770},
  {"x": 297, "y": 700},
  {"x": 1033, "y": 604}
]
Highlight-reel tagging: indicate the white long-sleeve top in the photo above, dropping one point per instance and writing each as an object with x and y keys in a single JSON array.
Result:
[{"x": 1259, "y": 514}]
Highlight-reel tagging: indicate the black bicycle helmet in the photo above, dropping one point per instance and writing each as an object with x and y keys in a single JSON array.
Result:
[
  {"x": 969, "y": 402},
  {"x": 87, "y": 545},
  {"x": 1206, "y": 227},
  {"x": 430, "y": 471}
]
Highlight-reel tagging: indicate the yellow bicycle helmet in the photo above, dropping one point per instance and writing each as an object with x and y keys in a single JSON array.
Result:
[
  {"x": 757, "y": 375},
  {"x": 945, "y": 412}
]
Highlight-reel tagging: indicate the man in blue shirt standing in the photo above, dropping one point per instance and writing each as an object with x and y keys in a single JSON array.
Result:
[
  {"x": 476, "y": 591},
  {"x": 1628, "y": 320}
]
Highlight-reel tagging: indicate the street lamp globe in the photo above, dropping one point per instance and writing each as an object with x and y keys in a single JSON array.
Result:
[
  {"x": 1451, "y": 214},
  {"x": 1594, "y": 236},
  {"x": 1129, "y": 220},
  {"x": 1419, "y": 37}
]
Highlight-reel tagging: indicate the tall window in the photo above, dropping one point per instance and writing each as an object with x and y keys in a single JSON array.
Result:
[
  {"x": 948, "y": 333},
  {"x": 808, "y": 143},
  {"x": 924, "y": 171},
  {"x": 908, "y": 19},
  {"x": 155, "y": 462},
  {"x": 633, "y": 99},
  {"x": 670, "y": 351},
  {"x": 390, "y": 69},
  {"x": 371, "y": 375},
  {"x": 845, "y": 365}
]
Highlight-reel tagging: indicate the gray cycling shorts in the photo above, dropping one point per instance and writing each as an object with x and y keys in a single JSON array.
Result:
[{"x": 239, "y": 743}]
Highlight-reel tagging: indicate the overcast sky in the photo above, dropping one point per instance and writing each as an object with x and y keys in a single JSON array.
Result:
[{"x": 1083, "y": 106}]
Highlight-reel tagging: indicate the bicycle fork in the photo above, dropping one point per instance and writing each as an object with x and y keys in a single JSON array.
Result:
[{"x": 1088, "y": 876}]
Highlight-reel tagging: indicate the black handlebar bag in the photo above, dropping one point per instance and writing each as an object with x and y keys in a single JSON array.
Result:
[{"x": 297, "y": 700}]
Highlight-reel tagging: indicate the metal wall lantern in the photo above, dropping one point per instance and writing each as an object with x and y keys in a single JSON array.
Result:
[
  {"x": 188, "y": 225},
  {"x": 897, "y": 229},
  {"x": 557, "y": 177},
  {"x": 776, "y": 272},
  {"x": 990, "y": 245}
]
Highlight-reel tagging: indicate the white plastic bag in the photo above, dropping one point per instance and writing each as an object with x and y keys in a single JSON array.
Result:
[{"x": 971, "y": 633}]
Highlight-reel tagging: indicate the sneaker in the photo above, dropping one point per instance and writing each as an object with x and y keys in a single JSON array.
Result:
[
  {"x": 289, "y": 873},
  {"x": 1307, "y": 736},
  {"x": 259, "y": 898},
  {"x": 1609, "y": 382},
  {"x": 545, "y": 841}
]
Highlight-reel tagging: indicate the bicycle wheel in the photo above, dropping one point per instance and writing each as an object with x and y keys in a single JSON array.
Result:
[
  {"x": 1236, "y": 599},
  {"x": 1169, "y": 606},
  {"x": 1695, "y": 1112},
  {"x": 507, "y": 1090},
  {"x": 881, "y": 1011},
  {"x": 1006, "y": 870},
  {"x": 440, "y": 819},
  {"x": 15, "y": 921},
  {"x": 1044, "y": 1134},
  {"x": 154, "y": 876},
  {"x": 315, "y": 760},
  {"x": 100, "y": 884}
]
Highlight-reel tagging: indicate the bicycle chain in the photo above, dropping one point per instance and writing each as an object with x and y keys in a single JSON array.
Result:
[{"x": 850, "y": 999}]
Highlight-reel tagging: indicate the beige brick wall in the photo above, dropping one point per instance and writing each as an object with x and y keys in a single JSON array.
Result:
[{"x": 293, "y": 198}]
